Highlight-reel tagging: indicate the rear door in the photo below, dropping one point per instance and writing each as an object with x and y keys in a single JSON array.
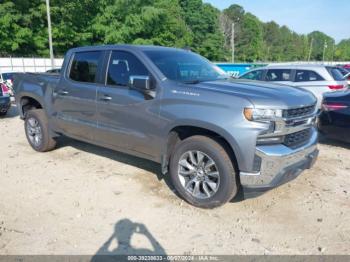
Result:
[
  {"x": 74, "y": 100},
  {"x": 127, "y": 118}
]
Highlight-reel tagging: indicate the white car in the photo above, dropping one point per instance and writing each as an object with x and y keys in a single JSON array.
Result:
[{"x": 318, "y": 79}]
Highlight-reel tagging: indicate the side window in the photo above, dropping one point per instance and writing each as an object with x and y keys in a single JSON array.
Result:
[
  {"x": 279, "y": 75},
  {"x": 307, "y": 75},
  {"x": 121, "y": 66},
  {"x": 84, "y": 66},
  {"x": 254, "y": 75}
]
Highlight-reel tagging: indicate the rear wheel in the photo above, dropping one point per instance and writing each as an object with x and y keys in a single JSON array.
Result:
[
  {"x": 202, "y": 172},
  {"x": 3, "y": 113},
  {"x": 37, "y": 131}
]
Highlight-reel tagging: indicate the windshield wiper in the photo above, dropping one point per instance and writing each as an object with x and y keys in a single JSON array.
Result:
[
  {"x": 192, "y": 82},
  {"x": 197, "y": 81}
]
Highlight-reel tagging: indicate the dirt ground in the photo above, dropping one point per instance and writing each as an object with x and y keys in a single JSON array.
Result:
[{"x": 83, "y": 199}]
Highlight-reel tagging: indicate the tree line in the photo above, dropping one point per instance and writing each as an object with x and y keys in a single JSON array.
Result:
[{"x": 178, "y": 23}]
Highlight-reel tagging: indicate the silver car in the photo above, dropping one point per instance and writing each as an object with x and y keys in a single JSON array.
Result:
[{"x": 317, "y": 79}]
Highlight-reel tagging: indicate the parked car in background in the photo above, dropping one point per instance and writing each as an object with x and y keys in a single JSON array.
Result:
[
  {"x": 346, "y": 66},
  {"x": 317, "y": 79},
  {"x": 346, "y": 73},
  {"x": 5, "y": 90},
  {"x": 210, "y": 133},
  {"x": 5, "y": 102},
  {"x": 343, "y": 70},
  {"x": 54, "y": 71},
  {"x": 6, "y": 77},
  {"x": 6, "y": 80},
  {"x": 334, "y": 120}
]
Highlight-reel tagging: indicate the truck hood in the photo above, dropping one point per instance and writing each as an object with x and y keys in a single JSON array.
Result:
[{"x": 262, "y": 94}]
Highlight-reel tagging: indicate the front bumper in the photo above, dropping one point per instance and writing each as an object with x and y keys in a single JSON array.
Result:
[{"x": 280, "y": 164}]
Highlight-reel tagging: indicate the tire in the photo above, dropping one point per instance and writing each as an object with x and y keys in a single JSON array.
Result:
[
  {"x": 3, "y": 113},
  {"x": 37, "y": 131},
  {"x": 208, "y": 150}
]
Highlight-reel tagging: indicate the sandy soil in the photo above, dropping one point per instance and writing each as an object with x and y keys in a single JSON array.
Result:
[{"x": 83, "y": 199}]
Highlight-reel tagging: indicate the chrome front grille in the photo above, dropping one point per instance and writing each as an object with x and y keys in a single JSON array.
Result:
[
  {"x": 298, "y": 112},
  {"x": 297, "y": 139}
]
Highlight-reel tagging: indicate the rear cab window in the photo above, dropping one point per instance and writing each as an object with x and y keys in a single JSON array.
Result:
[
  {"x": 307, "y": 76},
  {"x": 84, "y": 66},
  {"x": 279, "y": 75},
  {"x": 335, "y": 73}
]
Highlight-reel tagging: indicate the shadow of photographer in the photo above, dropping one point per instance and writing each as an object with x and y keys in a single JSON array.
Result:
[{"x": 124, "y": 230}]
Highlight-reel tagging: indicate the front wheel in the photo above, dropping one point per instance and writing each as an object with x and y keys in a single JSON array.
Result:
[
  {"x": 37, "y": 131},
  {"x": 202, "y": 172}
]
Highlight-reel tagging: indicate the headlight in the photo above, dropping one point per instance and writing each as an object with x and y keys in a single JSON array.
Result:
[{"x": 256, "y": 114}]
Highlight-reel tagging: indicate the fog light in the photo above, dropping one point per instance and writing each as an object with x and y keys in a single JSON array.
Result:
[
  {"x": 257, "y": 164},
  {"x": 269, "y": 140}
]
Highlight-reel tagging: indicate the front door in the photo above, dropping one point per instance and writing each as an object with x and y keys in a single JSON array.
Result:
[{"x": 127, "y": 118}]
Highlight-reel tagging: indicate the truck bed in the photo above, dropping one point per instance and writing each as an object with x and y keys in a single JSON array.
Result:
[{"x": 34, "y": 81}]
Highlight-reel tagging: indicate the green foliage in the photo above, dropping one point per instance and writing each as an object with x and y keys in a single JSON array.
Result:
[
  {"x": 343, "y": 50},
  {"x": 18, "y": 32},
  {"x": 277, "y": 43},
  {"x": 71, "y": 23},
  {"x": 321, "y": 42},
  {"x": 250, "y": 44},
  {"x": 202, "y": 20},
  {"x": 141, "y": 22},
  {"x": 179, "y": 23}
]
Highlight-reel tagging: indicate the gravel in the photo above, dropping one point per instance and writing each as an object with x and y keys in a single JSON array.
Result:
[{"x": 83, "y": 199}]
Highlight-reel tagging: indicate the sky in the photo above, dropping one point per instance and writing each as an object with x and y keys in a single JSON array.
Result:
[{"x": 302, "y": 16}]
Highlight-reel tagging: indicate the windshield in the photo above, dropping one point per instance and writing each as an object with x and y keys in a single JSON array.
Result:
[{"x": 185, "y": 66}]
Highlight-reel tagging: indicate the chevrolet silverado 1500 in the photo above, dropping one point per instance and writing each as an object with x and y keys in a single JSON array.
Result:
[{"x": 211, "y": 134}]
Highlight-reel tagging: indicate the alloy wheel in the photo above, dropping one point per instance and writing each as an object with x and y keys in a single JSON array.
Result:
[{"x": 198, "y": 174}]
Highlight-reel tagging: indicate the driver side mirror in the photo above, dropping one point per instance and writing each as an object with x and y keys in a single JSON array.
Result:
[{"x": 142, "y": 84}]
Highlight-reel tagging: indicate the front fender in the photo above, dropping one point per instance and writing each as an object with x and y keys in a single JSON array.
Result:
[{"x": 210, "y": 127}]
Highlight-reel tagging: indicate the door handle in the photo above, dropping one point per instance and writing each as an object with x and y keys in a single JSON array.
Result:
[
  {"x": 63, "y": 92},
  {"x": 106, "y": 98}
]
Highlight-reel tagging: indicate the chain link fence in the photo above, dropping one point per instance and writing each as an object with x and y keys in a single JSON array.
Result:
[{"x": 25, "y": 64}]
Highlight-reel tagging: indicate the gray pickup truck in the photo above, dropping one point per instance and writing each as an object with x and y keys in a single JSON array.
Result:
[{"x": 213, "y": 135}]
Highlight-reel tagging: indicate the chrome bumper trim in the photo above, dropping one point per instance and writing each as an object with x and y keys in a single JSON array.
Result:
[{"x": 281, "y": 163}]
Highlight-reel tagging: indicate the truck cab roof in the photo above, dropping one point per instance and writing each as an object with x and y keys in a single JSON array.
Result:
[{"x": 124, "y": 46}]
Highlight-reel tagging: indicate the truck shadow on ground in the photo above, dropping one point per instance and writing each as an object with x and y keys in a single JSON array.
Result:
[
  {"x": 138, "y": 162},
  {"x": 119, "y": 243}
]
